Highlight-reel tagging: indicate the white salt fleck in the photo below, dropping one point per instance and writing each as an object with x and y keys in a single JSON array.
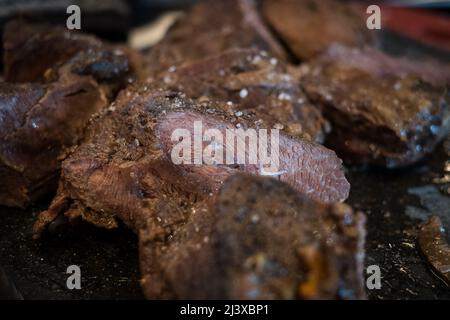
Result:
[
  {"x": 243, "y": 93},
  {"x": 284, "y": 96},
  {"x": 256, "y": 59},
  {"x": 273, "y": 61},
  {"x": 172, "y": 69},
  {"x": 255, "y": 218},
  {"x": 238, "y": 114},
  {"x": 167, "y": 79}
]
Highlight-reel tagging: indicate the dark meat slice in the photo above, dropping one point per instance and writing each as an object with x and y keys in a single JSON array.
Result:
[
  {"x": 116, "y": 170},
  {"x": 308, "y": 27},
  {"x": 123, "y": 171},
  {"x": 435, "y": 248},
  {"x": 245, "y": 244},
  {"x": 212, "y": 27},
  {"x": 255, "y": 83},
  {"x": 30, "y": 50},
  {"x": 40, "y": 122},
  {"x": 389, "y": 115}
]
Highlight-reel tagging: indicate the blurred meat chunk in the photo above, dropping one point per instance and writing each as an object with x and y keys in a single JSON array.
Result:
[
  {"x": 31, "y": 50},
  {"x": 212, "y": 27},
  {"x": 384, "y": 111},
  {"x": 308, "y": 27}
]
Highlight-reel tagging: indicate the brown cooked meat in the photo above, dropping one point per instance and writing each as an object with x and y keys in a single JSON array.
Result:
[
  {"x": 388, "y": 114},
  {"x": 256, "y": 83},
  {"x": 308, "y": 27},
  {"x": 212, "y": 27},
  {"x": 123, "y": 171},
  {"x": 41, "y": 121},
  {"x": 30, "y": 50},
  {"x": 38, "y": 124},
  {"x": 244, "y": 244},
  {"x": 126, "y": 158}
]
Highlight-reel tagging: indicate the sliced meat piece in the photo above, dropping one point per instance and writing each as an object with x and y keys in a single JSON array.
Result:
[
  {"x": 308, "y": 27},
  {"x": 124, "y": 171},
  {"x": 389, "y": 115},
  {"x": 255, "y": 83},
  {"x": 435, "y": 248},
  {"x": 212, "y": 27},
  {"x": 31, "y": 50},
  {"x": 38, "y": 124},
  {"x": 111, "y": 173},
  {"x": 41, "y": 121},
  {"x": 245, "y": 244}
]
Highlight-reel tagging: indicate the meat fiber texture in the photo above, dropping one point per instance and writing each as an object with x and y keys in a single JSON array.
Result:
[
  {"x": 308, "y": 27},
  {"x": 123, "y": 172},
  {"x": 384, "y": 110},
  {"x": 46, "y": 102},
  {"x": 254, "y": 82},
  {"x": 212, "y": 27}
]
